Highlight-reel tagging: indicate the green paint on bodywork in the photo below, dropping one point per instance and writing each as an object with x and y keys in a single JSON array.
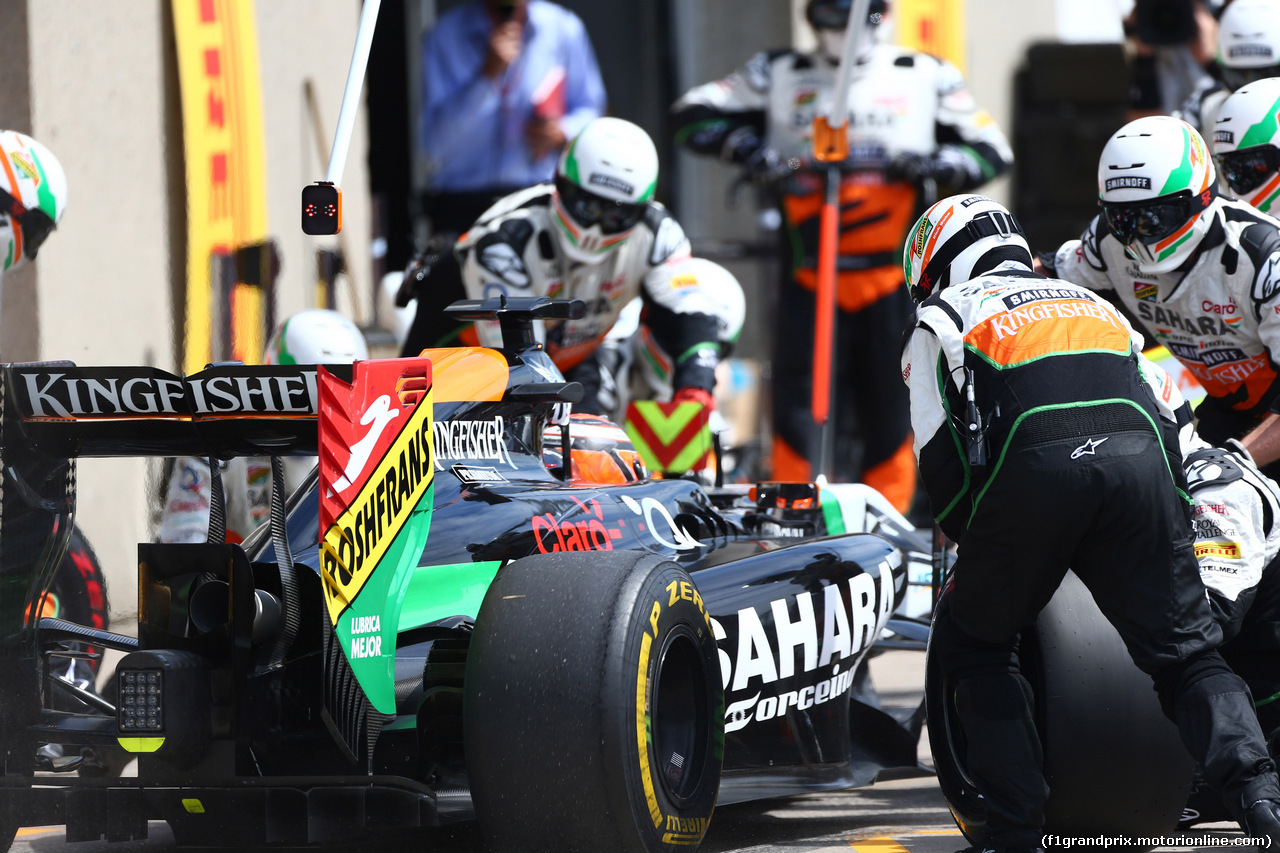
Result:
[
  {"x": 382, "y": 596},
  {"x": 437, "y": 592},
  {"x": 832, "y": 513}
]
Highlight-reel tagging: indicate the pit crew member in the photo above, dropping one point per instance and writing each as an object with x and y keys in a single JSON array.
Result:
[
  {"x": 914, "y": 129},
  {"x": 596, "y": 234},
  {"x": 314, "y": 336},
  {"x": 1248, "y": 50},
  {"x": 1029, "y": 406},
  {"x": 1199, "y": 272}
]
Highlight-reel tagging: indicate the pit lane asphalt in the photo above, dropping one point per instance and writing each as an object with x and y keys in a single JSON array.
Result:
[{"x": 896, "y": 815}]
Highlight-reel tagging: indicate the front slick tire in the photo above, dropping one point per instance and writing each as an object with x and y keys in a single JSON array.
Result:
[{"x": 594, "y": 716}]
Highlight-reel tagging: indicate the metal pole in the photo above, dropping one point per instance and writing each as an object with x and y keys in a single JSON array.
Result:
[
  {"x": 351, "y": 97},
  {"x": 831, "y": 146}
]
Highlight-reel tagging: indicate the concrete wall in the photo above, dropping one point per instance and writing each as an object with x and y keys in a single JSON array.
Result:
[
  {"x": 995, "y": 52},
  {"x": 98, "y": 86}
]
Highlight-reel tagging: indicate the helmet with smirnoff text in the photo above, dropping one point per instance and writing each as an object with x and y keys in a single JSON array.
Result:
[
  {"x": 606, "y": 177},
  {"x": 1156, "y": 182},
  {"x": 1246, "y": 141},
  {"x": 947, "y": 243},
  {"x": 1249, "y": 41},
  {"x": 33, "y": 196}
]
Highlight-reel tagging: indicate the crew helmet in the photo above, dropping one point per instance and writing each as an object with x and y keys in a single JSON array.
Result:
[
  {"x": 947, "y": 242},
  {"x": 830, "y": 19},
  {"x": 605, "y": 179},
  {"x": 1245, "y": 141},
  {"x": 834, "y": 14},
  {"x": 33, "y": 196},
  {"x": 700, "y": 286},
  {"x": 1249, "y": 41},
  {"x": 316, "y": 336},
  {"x": 1156, "y": 181}
]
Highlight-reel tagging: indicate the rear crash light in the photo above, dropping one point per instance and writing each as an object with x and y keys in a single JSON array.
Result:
[
  {"x": 165, "y": 705},
  {"x": 141, "y": 706}
]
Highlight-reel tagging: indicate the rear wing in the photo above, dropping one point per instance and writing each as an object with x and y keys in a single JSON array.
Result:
[
  {"x": 54, "y": 412},
  {"x": 59, "y": 410}
]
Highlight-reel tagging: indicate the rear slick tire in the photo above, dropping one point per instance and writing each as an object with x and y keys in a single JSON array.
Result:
[
  {"x": 1114, "y": 763},
  {"x": 594, "y": 716}
]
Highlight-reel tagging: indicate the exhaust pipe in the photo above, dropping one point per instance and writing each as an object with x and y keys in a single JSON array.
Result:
[{"x": 210, "y": 609}]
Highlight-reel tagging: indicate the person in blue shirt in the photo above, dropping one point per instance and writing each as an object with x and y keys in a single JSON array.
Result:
[{"x": 506, "y": 83}]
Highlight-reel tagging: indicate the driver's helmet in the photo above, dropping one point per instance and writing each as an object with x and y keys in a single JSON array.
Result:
[
  {"x": 1246, "y": 142},
  {"x": 316, "y": 336},
  {"x": 703, "y": 287},
  {"x": 946, "y": 243},
  {"x": 601, "y": 451},
  {"x": 33, "y": 196},
  {"x": 1249, "y": 42},
  {"x": 830, "y": 19},
  {"x": 605, "y": 179},
  {"x": 1156, "y": 181}
]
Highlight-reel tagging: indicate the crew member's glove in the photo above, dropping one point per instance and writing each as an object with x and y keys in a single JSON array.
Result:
[
  {"x": 762, "y": 163},
  {"x": 695, "y": 395},
  {"x": 947, "y": 167}
]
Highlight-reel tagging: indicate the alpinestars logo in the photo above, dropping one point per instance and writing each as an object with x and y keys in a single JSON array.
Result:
[
  {"x": 1132, "y": 182},
  {"x": 1089, "y": 448}
]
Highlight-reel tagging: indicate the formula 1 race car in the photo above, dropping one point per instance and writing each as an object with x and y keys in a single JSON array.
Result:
[{"x": 437, "y": 626}]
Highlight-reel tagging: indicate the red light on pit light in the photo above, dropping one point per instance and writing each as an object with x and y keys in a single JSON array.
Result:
[{"x": 321, "y": 209}]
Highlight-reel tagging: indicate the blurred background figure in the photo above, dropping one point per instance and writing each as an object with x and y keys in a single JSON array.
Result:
[
  {"x": 1248, "y": 49},
  {"x": 1173, "y": 43},
  {"x": 315, "y": 336},
  {"x": 915, "y": 132},
  {"x": 506, "y": 84}
]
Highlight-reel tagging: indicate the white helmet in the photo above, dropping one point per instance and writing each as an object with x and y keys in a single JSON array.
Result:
[
  {"x": 1246, "y": 141},
  {"x": 33, "y": 196},
  {"x": 700, "y": 286},
  {"x": 606, "y": 177},
  {"x": 316, "y": 336},
  {"x": 946, "y": 243},
  {"x": 1249, "y": 41},
  {"x": 1156, "y": 181}
]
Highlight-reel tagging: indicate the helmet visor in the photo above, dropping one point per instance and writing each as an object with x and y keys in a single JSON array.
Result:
[
  {"x": 588, "y": 209},
  {"x": 35, "y": 223},
  {"x": 1237, "y": 77},
  {"x": 834, "y": 14},
  {"x": 1245, "y": 170},
  {"x": 1148, "y": 221}
]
